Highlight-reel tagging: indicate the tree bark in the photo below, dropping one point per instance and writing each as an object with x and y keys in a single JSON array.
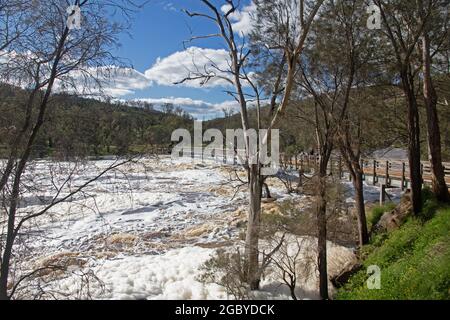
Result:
[
  {"x": 10, "y": 237},
  {"x": 438, "y": 183},
  {"x": 363, "y": 234},
  {"x": 322, "y": 230},
  {"x": 413, "y": 141},
  {"x": 253, "y": 226},
  {"x": 352, "y": 162}
]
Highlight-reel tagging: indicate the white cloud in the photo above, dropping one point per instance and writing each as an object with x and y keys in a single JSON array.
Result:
[
  {"x": 122, "y": 81},
  {"x": 243, "y": 20},
  {"x": 192, "y": 62},
  {"x": 169, "y": 6},
  {"x": 175, "y": 101},
  {"x": 108, "y": 80},
  {"x": 117, "y": 81},
  {"x": 197, "y": 108},
  {"x": 111, "y": 80}
]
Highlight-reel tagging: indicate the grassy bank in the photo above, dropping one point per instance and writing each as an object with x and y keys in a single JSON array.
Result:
[{"x": 414, "y": 259}]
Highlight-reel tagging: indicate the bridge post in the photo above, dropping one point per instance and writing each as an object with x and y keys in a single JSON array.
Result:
[
  {"x": 382, "y": 194},
  {"x": 403, "y": 175},
  {"x": 421, "y": 172},
  {"x": 362, "y": 168},
  {"x": 374, "y": 173},
  {"x": 331, "y": 165},
  {"x": 387, "y": 173}
]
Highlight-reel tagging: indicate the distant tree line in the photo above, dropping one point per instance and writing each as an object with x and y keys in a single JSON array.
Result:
[{"x": 77, "y": 127}]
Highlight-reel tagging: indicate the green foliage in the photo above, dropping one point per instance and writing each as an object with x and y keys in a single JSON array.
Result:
[{"x": 414, "y": 262}]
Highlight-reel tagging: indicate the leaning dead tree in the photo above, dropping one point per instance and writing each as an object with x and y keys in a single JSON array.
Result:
[
  {"x": 49, "y": 55},
  {"x": 242, "y": 77}
]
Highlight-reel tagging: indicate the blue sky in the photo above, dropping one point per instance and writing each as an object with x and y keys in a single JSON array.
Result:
[{"x": 160, "y": 31}]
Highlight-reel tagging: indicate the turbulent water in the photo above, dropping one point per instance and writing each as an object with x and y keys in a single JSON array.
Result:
[{"x": 139, "y": 232}]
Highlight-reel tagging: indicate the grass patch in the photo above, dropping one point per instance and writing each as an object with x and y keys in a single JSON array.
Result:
[{"x": 414, "y": 260}]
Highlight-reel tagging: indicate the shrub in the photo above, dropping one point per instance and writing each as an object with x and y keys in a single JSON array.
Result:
[{"x": 227, "y": 269}]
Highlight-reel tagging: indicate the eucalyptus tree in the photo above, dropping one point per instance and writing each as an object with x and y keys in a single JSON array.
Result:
[
  {"x": 404, "y": 24},
  {"x": 434, "y": 16},
  {"x": 344, "y": 37}
]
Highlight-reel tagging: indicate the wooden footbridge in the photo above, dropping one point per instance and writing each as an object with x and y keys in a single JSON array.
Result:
[
  {"x": 381, "y": 171},
  {"x": 391, "y": 173}
]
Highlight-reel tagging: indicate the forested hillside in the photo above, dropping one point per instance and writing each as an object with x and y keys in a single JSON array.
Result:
[{"x": 78, "y": 126}]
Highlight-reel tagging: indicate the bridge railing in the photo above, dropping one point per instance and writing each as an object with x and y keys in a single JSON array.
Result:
[
  {"x": 388, "y": 171},
  {"x": 383, "y": 170}
]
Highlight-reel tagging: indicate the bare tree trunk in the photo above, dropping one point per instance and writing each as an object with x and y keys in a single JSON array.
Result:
[
  {"x": 413, "y": 142},
  {"x": 10, "y": 237},
  {"x": 253, "y": 225},
  {"x": 363, "y": 234},
  {"x": 6, "y": 258},
  {"x": 322, "y": 230},
  {"x": 292, "y": 291},
  {"x": 267, "y": 190},
  {"x": 439, "y": 185},
  {"x": 14, "y": 202},
  {"x": 414, "y": 161},
  {"x": 352, "y": 162}
]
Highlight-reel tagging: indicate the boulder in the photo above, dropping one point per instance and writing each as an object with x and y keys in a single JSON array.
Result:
[
  {"x": 342, "y": 278},
  {"x": 394, "y": 219}
]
